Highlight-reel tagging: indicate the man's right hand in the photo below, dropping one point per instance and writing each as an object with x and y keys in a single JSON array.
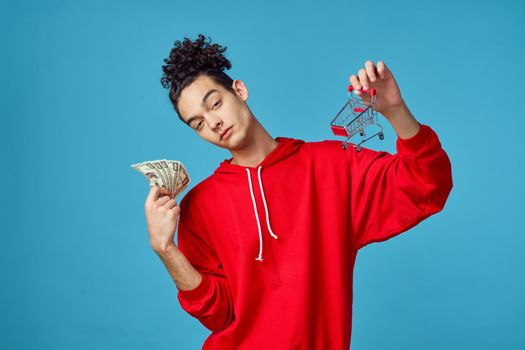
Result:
[{"x": 162, "y": 214}]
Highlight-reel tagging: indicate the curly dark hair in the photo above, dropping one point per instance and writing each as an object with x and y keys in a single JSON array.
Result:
[{"x": 190, "y": 59}]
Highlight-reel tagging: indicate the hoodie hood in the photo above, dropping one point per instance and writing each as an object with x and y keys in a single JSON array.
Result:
[{"x": 287, "y": 146}]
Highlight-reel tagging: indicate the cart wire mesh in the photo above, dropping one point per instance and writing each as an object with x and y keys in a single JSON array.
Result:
[{"x": 354, "y": 117}]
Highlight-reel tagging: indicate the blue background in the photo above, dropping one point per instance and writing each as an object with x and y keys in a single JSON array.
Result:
[{"x": 81, "y": 100}]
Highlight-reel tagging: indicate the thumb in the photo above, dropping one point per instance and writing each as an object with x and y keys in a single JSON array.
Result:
[{"x": 152, "y": 195}]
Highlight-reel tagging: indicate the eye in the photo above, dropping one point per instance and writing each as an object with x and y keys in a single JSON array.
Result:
[
  {"x": 217, "y": 103},
  {"x": 198, "y": 126}
]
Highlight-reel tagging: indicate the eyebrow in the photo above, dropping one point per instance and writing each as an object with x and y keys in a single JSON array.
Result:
[{"x": 202, "y": 103}]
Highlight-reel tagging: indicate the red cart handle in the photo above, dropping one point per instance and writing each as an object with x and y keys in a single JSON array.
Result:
[{"x": 371, "y": 91}]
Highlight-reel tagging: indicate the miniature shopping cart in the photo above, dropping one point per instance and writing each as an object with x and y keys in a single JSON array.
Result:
[{"x": 354, "y": 117}]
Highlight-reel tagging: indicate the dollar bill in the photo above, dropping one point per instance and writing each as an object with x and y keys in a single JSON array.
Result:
[
  {"x": 174, "y": 168},
  {"x": 170, "y": 174},
  {"x": 182, "y": 181}
]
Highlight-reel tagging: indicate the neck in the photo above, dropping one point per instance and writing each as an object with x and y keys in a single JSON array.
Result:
[{"x": 256, "y": 147}]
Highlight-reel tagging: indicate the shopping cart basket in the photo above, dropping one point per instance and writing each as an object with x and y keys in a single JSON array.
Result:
[{"x": 354, "y": 117}]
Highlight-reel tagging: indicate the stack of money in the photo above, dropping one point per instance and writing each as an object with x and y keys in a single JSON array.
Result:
[{"x": 169, "y": 174}]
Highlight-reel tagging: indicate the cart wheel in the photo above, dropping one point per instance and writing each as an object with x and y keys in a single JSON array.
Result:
[
  {"x": 361, "y": 133},
  {"x": 381, "y": 136}
]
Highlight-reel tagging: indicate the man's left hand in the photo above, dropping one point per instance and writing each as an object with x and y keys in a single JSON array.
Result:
[{"x": 388, "y": 96}]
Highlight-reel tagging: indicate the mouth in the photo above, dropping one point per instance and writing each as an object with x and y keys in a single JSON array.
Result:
[{"x": 224, "y": 132}]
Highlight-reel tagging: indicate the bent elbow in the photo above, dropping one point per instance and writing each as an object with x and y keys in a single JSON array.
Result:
[
  {"x": 218, "y": 324},
  {"x": 440, "y": 194}
]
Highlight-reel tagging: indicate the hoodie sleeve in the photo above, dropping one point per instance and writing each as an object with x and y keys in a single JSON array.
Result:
[
  {"x": 211, "y": 301},
  {"x": 390, "y": 194}
]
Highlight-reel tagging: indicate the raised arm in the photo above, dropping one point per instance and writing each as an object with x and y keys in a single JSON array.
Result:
[{"x": 389, "y": 193}]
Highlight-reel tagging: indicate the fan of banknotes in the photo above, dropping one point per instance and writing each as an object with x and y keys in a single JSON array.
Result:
[{"x": 169, "y": 174}]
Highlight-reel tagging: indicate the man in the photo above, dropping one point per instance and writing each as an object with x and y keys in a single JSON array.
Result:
[{"x": 267, "y": 243}]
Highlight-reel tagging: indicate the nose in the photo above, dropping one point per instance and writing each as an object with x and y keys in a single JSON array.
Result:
[{"x": 216, "y": 123}]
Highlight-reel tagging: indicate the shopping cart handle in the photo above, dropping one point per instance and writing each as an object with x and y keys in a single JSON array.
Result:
[{"x": 370, "y": 91}]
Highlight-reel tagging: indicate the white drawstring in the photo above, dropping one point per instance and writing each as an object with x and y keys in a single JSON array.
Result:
[
  {"x": 265, "y": 207},
  {"x": 259, "y": 258}
]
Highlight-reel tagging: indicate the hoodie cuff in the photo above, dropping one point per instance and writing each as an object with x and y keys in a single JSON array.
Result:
[
  {"x": 424, "y": 136},
  {"x": 197, "y": 293}
]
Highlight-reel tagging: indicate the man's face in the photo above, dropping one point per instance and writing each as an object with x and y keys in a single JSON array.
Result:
[{"x": 209, "y": 113}]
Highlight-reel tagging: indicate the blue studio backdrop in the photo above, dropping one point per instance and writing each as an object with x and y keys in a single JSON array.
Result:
[{"x": 81, "y": 100}]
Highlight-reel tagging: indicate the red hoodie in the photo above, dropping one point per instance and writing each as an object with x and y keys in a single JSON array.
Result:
[{"x": 276, "y": 244}]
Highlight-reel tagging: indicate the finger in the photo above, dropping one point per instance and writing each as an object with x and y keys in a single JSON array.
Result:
[
  {"x": 170, "y": 204},
  {"x": 371, "y": 71},
  {"x": 363, "y": 78},
  {"x": 165, "y": 191},
  {"x": 382, "y": 69},
  {"x": 162, "y": 200},
  {"x": 354, "y": 81},
  {"x": 152, "y": 195}
]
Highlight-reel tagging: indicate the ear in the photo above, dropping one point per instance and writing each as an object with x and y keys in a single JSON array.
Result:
[{"x": 240, "y": 89}]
